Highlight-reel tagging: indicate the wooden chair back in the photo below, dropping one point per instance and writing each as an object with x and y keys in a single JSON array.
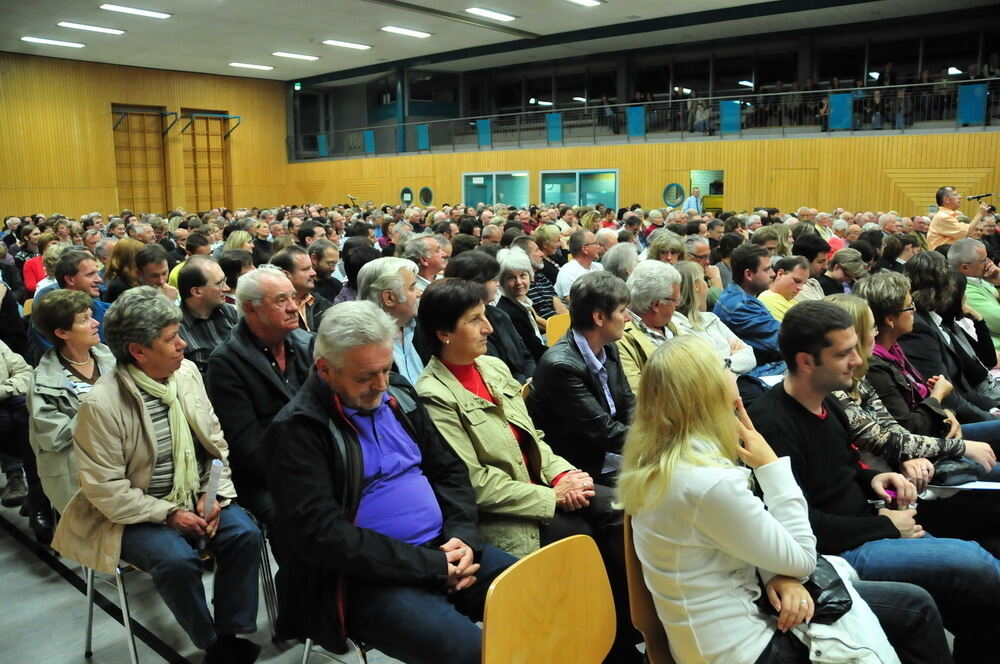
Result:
[
  {"x": 553, "y": 604},
  {"x": 555, "y": 328},
  {"x": 641, "y": 605}
]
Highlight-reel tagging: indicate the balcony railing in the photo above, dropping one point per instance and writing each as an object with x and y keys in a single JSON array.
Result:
[{"x": 940, "y": 106}]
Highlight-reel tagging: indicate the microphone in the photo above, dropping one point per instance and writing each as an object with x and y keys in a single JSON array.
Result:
[
  {"x": 351, "y": 197},
  {"x": 976, "y": 198}
]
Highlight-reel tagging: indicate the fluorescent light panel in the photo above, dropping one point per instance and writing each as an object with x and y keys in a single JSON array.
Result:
[
  {"x": 91, "y": 28},
  {"x": 954, "y": 71},
  {"x": 585, "y": 3},
  {"x": 51, "y": 42},
  {"x": 294, "y": 56},
  {"x": 244, "y": 65},
  {"x": 406, "y": 31},
  {"x": 873, "y": 74},
  {"x": 343, "y": 44},
  {"x": 746, "y": 84},
  {"x": 489, "y": 13},
  {"x": 580, "y": 99},
  {"x": 132, "y": 10}
]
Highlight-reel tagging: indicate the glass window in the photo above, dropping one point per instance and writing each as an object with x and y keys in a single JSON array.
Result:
[
  {"x": 654, "y": 80},
  {"x": 512, "y": 189},
  {"x": 508, "y": 97},
  {"x": 895, "y": 62},
  {"x": 538, "y": 92},
  {"x": 599, "y": 188},
  {"x": 774, "y": 67},
  {"x": 951, "y": 58},
  {"x": 426, "y": 196},
  {"x": 731, "y": 74},
  {"x": 604, "y": 84},
  {"x": 559, "y": 188},
  {"x": 478, "y": 188},
  {"x": 843, "y": 62},
  {"x": 406, "y": 196},
  {"x": 571, "y": 89},
  {"x": 691, "y": 76}
]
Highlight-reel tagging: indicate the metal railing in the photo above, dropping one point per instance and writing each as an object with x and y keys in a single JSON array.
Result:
[{"x": 900, "y": 108}]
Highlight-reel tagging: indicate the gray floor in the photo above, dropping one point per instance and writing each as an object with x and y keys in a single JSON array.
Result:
[{"x": 44, "y": 619}]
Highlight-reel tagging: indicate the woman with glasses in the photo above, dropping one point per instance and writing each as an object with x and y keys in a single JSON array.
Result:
[{"x": 654, "y": 289}]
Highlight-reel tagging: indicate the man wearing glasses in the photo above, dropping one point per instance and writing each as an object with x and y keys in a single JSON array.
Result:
[
  {"x": 654, "y": 291},
  {"x": 945, "y": 226},
  {"x": 968, "y": 256},
  {"x": 585, "y": 249}
]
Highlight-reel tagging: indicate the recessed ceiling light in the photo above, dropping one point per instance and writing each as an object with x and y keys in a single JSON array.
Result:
[
  {"x": 873, "y": 74},
  {"x": 91, "y": 28},
  {"x": 406, "y": 31},
  {"x": 244, "y": 65},
  {"x": 132, "y": 10},
  {"x": 294, "y": 56},
  {"x": 580, "y": 99},
  {"x": 489, "y": 13},
  {"x": 954, "y": 71},
  {"x": 746, "y": 84},
  {"x": 51, "y": 42},
  {"x": 585, "y": 3},
  {"x": 343, "y": 44}
]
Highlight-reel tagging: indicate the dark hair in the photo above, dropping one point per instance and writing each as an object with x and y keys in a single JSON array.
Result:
[
  {"x": 595, "y": 291},
  {"x": 463, "y": 242},
  {"x": 192, "y": 275},
  {"x": 513, "y": 224},
  {"x": 509, "y": 235},
  {"x": 874, "y": 237},
  {"x": 941, "y": 193},
  {"x": 69, "y": 264},
  {"x": 894, "y": 246},
  {"x": 232, "y": 262},
  {"x": 443, "y": 227},
  {"x": 728, "y": 244},
  {"x": 195, "y": 242},
  {"x": 521, "y": 242},
  {"x": 350, "y": 244},
  {"x": 57, "y": 311},
  {"x": 930, "y": 284},
  {"x": 357, "y": 259},
  {"x": 714, "y": 223},
  {"x": 864, "y": 248},
  {"x": 746, "y": 257},
  {"x": 789, "y": 263},
  {"x": 467, "y": 224},
  {"x": 805, "y": 327},
  {"x": 809, "y": 246},
  {"x": 308, "y": 230},
  {"x": 358, "y": 229},
  {"x": 576, "y": 241},
  {"x": 693, "y": 227},
  {"x": 951, "y": 309},
  {"x": 442, "y": 303},
  {"x": 149, "y": 254},
  {"x": 285, "y": 259},
  {"x": 475, "y": 266}
]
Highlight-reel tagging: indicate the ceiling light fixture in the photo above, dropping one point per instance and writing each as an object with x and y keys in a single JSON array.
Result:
[
  {"x": 746, "y": 84},
  {"x": 489, "y": 13},
  {"x": 343, "y": 44},
  {"x": 91, "y": 28},
  {"x": 874, "y": 75},
  {"x": 132, "y": 10},
  {"x": 585, "y": 3},
  {"x": 954, "y": 71},
  {"x": 542, "y": 102},
  {"x": 406, "y": 31},
  {"x": 51, "y": 42},
  {"x": 580, "y": 99},
  {"x": 294, "y": 56},
  {"x": 244, "y": 65}
]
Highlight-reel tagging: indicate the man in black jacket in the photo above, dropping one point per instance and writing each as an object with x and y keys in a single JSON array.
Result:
[
  {"x": 579, "y": 396},
  {"x": 802, "y": 421},
  {"x": 376, "y": 511},
  {"x": 253, "y": 374}
]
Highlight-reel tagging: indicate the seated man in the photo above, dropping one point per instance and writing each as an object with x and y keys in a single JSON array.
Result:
[
  {"x": 207, "y": 320},
  {"x": 391, "y": 283},
  {"x": 816, "y": 250},
  {"x": 655, "y": 290},
  {"x": 325, "y": 257},
  {"x": 255, "y": 372},
  {"x": 968, "y": 256},
  {"x": 298, "y": 267},
  {"x": 801, "y": 420},
  {"x": 746, "y": 315},
  {"x": 376, "y": 510},
  {"x": 790, "y": 275},
  {"x": 582, "y": 374},
  {"x": 142, "y": 495},
  {"x": 586, "y": 252}
]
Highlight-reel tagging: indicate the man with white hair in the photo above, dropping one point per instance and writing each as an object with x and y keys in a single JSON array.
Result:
[
  {"x": 920, "y": 227},
  {"x": 491, "y": 234},
  {"x": 968, "y": 257},
  {"x": 377, "y": 511},
  {"x": 694, "y": 202},
  {"x": 889, "y": 223},
  {"x": 655, "y": 290},
  {"x": 391, "y": 283},
  {"x": 606, "y": 238},
  {"x": 753, "y": 222},
  {"x": 427, "y": 253},
  {"x": 824, "y": 223}
]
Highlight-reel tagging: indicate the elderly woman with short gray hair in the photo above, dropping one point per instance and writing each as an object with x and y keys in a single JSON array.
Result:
[
  {"x": 655, "y": 290},
  {"x": 147, "y": 443},
  {"x": 516, "y": 276}
]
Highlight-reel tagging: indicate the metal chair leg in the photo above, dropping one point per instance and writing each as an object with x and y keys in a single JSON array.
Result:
[
  {"x": 306, "y": 651},
  {"x": 126, "y": 616},
  {"x": 267, "y": 585},
  {"x": 88, "y": 650}
]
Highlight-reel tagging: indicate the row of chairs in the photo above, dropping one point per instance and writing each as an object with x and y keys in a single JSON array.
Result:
[{"x": 537, "y": 610}]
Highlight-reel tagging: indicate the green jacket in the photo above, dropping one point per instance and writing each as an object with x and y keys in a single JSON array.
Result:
[
  {"x": 510, "y": 506},
  {"x": 982, "y": 296}
]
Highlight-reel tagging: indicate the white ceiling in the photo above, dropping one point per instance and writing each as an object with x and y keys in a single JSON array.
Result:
[{"x": 205, "y": 35}]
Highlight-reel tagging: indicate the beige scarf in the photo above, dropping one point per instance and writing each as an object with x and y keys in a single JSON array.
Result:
[{"x": 186, "y": 476}]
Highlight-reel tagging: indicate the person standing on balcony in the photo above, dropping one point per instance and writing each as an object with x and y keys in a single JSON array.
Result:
[{"x": 694, "y": 201}]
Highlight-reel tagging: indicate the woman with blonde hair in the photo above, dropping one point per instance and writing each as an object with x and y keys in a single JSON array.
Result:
[
  {"x": 665, "y": 246},
  {"x": 239, "y": 240}
]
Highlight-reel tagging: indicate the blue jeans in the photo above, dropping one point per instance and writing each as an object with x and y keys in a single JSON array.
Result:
[
  {"x": 961, "y": 576},
  {"x": 421, "y": 625},
  {"x": 176, "y": 570},
  {"x": 988, "y": 432}
]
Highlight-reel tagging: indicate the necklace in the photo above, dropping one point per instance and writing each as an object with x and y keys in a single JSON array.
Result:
[{"x": 75, "y": 363}]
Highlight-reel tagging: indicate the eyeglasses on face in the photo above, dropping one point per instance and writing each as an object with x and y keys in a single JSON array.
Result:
[{"x": 909, "y": 308}]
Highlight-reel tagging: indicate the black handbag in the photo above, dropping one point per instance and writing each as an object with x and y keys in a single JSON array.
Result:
[
  {"x": 951, "y": 472},
  {"x": 827, "y": 590}
]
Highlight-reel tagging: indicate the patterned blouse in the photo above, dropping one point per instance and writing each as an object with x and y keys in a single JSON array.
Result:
[{"x": 875, "y": 431}]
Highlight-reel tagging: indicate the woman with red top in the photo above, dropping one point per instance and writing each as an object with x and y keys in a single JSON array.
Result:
[
  {"x": 527, "y": 495},
  {"x": 34, "y": 268}
]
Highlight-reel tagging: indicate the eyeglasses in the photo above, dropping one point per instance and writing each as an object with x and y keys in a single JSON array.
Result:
[{"x": 909, "y": 308}]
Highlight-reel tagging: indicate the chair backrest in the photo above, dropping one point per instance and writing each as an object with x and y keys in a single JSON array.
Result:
[
  {"x": 554, "y": 604},
  {"x": 641, "y": 605},
  {"x": 555, "y": 328},
  {"x": 526, "y": 390},
  {"x": 28, "y": 306}
]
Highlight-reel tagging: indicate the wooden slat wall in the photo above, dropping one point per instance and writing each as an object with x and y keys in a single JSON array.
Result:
[
  {"x": 140, "y": 161},
  {"x": 857, "y": 173},
  {"x": 57, "y": 147}
]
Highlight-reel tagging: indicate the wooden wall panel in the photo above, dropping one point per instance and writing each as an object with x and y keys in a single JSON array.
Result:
[
  {"x": 57, "y": 147},
  {"x": 857, "y": 173}
]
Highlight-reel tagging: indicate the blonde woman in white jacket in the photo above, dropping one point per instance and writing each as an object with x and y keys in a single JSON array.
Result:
[{"x": 704, "y": 538}]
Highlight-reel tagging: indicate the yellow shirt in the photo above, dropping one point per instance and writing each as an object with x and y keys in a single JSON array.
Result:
[
  {"x": 776, "y": 303},
  {"x": 946, "y": 228},
  {"x": 172, "y": 278}
]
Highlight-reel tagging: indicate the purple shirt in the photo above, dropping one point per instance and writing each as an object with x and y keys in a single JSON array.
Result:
[{"x": 396, "y": 497}]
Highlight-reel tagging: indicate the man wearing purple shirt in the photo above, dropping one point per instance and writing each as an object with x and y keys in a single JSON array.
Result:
[{"x": 375, "y": 509}]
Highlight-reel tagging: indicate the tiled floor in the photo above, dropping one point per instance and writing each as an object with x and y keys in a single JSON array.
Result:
[{"x": 44, "y": 613}]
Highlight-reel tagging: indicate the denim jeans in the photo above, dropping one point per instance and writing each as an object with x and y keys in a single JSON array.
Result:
[
  {"x": 961, "y": 576},
  {"x": 176, "y": 570},
  {"x": 987, "y": 431},
  {"x": 421, "y": 625}
]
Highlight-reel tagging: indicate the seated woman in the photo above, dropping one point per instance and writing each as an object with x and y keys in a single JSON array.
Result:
[
  {"x": 503, "y": 341},
  {"x": 34, "y": 268},
  {"x": 527, "y": 496},
  {"x": 145, "y": 439},
  {"x": 516, "y": 275},
  {"x": 692, "y": 317},
  {"x": 121, "y": 272},
  {"x": 703, "y": 536},
  {"x": 65, "y": 373}
]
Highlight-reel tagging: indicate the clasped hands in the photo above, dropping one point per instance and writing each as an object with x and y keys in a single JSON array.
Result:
[
  {"x": 195, "y": 525},
  {"x": 574, "y": 490},
  {"x": 462, "y": 567}
]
